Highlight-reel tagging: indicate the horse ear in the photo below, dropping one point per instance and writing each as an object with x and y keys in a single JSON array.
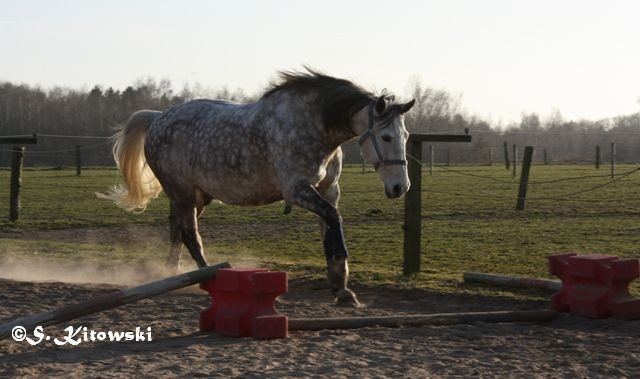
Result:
[
  {"x": 381, "y": 105},
  {"x": 404, "y": 108}
]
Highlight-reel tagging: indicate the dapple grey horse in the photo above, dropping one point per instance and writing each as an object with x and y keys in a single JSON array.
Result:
[{"x": 285, "y": 146}]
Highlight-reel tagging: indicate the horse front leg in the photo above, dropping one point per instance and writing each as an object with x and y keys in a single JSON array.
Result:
[{"x": 304, "y": 195}]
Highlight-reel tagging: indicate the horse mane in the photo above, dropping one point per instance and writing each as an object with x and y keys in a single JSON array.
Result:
[{"x": 336, "y": 99}]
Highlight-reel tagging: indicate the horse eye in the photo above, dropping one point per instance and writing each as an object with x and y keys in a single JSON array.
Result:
[{"x": 386, "y": 138}]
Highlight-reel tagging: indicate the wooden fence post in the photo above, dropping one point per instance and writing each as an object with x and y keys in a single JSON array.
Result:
[
  {"x": 17, "y": 159},
  {"x": 431, "y": 156},
  {"x": 597, "y": 157},
  {"x": 506, "y": 155},
  {"x": 544, "y": 152},
  {"x": 412, "y": 208},
  {"x": 491, "y": 156},
  {"x": 524, "y": 177},
  {"x": 448, "y": 156},
  {"x": 613, "y": 159},
  {"x": 363, "y": 165},
  {"x": 78, "y": 161},
  {"x": 413, "y": 198},
  {"x": 515, "y": 159}
]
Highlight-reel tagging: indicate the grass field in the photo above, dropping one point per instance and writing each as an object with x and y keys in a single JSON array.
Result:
[{"x": 469, "y": 224}]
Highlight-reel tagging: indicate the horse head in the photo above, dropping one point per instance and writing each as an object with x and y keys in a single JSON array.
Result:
[{"x": 383, "y": 142}]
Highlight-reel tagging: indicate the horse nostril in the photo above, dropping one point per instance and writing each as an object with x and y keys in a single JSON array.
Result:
[{"x": 397, "y": 189}]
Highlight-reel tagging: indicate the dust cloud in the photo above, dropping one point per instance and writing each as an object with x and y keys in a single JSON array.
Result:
[
  {"x": 120, "y": 274},
  {"x": 25, "y": 266},
  {"x": 47, "y": 270}
]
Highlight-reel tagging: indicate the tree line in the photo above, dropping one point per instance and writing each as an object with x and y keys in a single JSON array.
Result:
[{"x": 66, "y": 112}]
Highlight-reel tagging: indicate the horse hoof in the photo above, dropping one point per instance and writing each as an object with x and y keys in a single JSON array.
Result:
[{"x": 346, "y": 298}]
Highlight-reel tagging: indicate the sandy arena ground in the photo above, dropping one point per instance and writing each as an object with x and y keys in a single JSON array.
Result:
[{"x": 567, "y": 347}]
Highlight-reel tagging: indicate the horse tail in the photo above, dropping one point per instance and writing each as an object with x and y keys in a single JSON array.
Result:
[{"x": 140, "y": 184}]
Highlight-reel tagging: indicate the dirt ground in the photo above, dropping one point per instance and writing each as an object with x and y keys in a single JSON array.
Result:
[{"x": 566, "y": 347}]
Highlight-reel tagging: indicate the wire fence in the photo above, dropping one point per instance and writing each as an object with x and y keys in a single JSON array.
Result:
[
  {"x": 553, "y": 181},
  {"x": 72, "y": 136},
  {"x": 99, "y": 152},
  {"x": 68, "y": 150},
  {"x": 54, "y": 150},
  {"x": 500, "y": 189},
  {"x": 616, "y": 178}
]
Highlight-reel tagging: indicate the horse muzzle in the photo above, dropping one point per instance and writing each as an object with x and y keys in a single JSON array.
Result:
[{"x": 395, "y": 191}]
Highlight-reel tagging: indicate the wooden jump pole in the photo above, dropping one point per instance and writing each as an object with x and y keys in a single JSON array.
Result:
[
  {"x": 511, "y": 281},
  {"x": 112, "y": 300},
  {"x": 421, "y": 320}
]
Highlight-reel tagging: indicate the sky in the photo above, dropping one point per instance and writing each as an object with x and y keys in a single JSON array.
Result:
[{"x": 503, "y": 57}]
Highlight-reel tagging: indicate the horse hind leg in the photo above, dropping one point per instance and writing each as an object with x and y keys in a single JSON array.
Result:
[
  {"x": 184, "y": 230},
  {"x": 172, "y": 263},
  {"x": 189, "y": 232}
]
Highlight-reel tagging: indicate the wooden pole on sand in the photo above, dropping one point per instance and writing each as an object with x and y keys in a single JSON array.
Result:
[
  {"x": 420, "y": 320},
  {"x": 511, "y": 281}
]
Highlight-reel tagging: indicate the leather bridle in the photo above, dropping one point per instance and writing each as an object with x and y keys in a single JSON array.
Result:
[{"x": 369, "y": 134}]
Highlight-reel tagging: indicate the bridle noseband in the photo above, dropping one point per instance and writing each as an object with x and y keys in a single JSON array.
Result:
[{"x": 369, "y": 134}]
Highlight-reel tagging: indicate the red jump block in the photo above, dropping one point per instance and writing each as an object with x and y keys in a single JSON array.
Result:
[
  {"x": 243, "y": 303},
  {"x": 595, "y": 286}
]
